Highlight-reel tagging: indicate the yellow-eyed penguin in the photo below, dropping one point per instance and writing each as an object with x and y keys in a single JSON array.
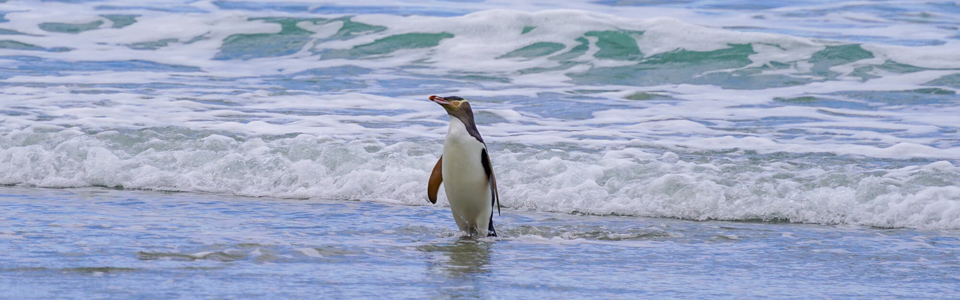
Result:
[{"x": 465, "y": 171}]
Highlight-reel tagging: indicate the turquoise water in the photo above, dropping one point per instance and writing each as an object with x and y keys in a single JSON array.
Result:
[{"x": 668, "y": 149}]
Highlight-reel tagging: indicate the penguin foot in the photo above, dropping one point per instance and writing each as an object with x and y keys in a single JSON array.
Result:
[{"x": 490, "y": 230}]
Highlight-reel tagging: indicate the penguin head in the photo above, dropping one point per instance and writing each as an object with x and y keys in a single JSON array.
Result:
[
  {"x": 459, "y": 108},
  {"x": 455, "y": 106}
]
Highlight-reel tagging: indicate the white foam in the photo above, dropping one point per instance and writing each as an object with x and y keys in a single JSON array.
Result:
[{"x": 625, "y": 182}]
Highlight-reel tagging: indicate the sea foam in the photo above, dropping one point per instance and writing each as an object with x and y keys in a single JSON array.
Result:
[{"x": 626, "y": 181}]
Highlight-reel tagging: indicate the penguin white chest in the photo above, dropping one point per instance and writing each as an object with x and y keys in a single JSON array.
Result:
[{"x": 465, "y": 181}]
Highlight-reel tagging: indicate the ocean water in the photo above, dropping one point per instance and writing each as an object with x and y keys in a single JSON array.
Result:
[{"x": 661, "y": 148}]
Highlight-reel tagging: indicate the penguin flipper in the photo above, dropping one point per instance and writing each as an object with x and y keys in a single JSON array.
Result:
[
  {"x": 435, "y": 179},
  {"x": 496, "y": 194},
  {"x": 488, "y": 168}
]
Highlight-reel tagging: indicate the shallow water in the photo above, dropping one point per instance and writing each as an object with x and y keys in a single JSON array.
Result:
[{"x": 107, "y": 243}]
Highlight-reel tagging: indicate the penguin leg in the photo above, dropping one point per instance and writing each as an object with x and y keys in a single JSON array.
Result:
[{"x": 490, "y": 230}]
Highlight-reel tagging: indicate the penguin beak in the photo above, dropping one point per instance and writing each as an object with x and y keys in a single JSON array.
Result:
[
  {"x": 439, "y": 100},
  {"x": 444, "y": 102}
]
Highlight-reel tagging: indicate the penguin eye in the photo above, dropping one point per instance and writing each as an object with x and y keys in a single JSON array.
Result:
[{"x": 456, "y": 103}]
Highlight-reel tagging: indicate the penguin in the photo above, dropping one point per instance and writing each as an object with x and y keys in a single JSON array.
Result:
[{"x": 466, "y": 173}]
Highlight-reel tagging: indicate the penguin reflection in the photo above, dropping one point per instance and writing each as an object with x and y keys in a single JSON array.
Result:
[{"x": 461, "y": 260}]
